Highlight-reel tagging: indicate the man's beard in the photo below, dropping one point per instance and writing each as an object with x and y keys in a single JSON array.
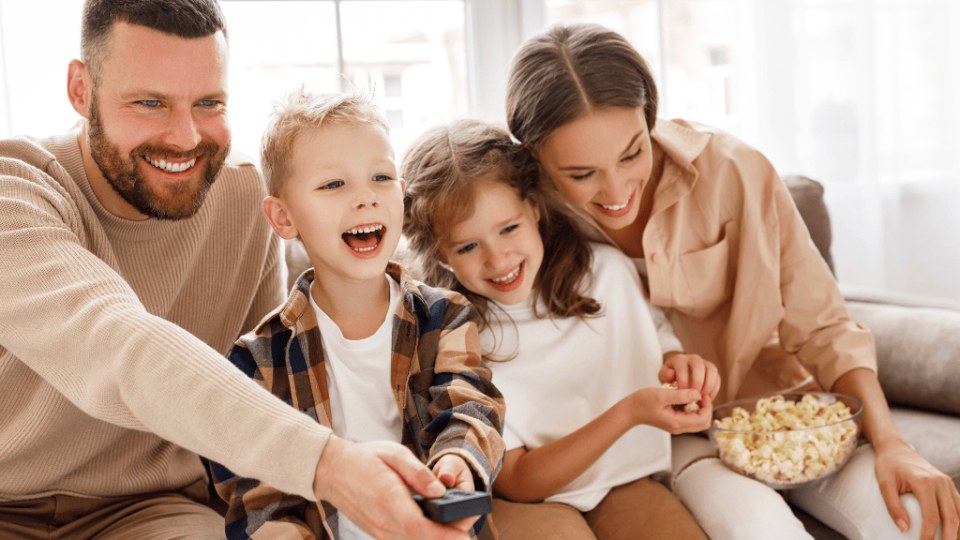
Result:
[{"x": 177, "y": 200}]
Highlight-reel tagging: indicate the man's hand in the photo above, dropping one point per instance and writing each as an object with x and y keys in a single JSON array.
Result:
[
  {"x": 691, "y": 371},
  {"x": 453, "y": 472},
  {"x": 900, "y": 470},
  {"x": 368, "y": 483}
]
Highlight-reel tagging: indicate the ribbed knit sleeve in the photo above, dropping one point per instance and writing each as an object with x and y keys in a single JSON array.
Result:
[{"x": 69, "y": 313}]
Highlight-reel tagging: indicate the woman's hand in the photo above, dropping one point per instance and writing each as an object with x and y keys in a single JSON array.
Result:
[
  {"x": 453, "y": 472},
  {"x": 900, "y": 470},
  {"x": 691, "y": 371},
  {"x": 655, "y": 407}
]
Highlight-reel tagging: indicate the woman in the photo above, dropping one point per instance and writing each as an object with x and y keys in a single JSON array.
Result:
[{"x": 719, "y": 245}]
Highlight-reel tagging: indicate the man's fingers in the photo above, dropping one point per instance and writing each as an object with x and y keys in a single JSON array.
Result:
[
  {"x": 464, "y": 524},
  {"x": 414, "y": 473}
]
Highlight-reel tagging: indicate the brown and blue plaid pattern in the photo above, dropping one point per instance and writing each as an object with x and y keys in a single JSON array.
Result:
[{"x": 440, "y": 383}]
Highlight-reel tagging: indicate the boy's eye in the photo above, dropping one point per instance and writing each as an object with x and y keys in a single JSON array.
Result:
[
  {"x": 633, "y": 156},
  {"x": 466, "y": 249},
  {"x": 382, "y": 178},
  {"x": 510, "y": 228},
  {"x": 333, "y": 184}
]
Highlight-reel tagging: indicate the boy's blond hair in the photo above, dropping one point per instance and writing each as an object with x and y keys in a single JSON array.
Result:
[{"x": 301, "y": 111}]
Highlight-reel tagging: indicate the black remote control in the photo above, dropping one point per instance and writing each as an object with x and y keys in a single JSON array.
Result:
[{"x": 455, "y": 504}]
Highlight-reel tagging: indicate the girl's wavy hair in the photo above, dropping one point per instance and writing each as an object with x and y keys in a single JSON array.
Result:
[{"x": 442, "y": 170}]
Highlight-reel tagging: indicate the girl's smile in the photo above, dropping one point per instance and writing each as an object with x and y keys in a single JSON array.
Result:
[{"x": 497, "y": 251}]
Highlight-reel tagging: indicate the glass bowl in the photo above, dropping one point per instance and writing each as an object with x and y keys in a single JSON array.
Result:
[{"x": 775, "y": 448}]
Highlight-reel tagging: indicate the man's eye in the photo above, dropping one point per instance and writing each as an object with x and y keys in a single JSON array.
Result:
[
  {"x": 209, "y": 103},
  {"x": 152, "y": 103},
  {"x": 466, "y": 249},
  {"x": 332, "y": 185}
]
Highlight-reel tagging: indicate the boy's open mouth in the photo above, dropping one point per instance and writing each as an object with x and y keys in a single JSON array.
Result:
[{"x": 364, "y": 238}]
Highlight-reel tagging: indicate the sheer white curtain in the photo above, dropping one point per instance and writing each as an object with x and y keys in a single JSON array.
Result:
[{"x": 862, "y": 95}]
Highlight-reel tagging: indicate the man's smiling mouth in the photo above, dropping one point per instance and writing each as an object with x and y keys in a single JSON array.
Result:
[{"x": 171, "y": 167}]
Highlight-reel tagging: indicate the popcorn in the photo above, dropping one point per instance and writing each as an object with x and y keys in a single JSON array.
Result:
[
  {"x": 792, "y": 453},
  {"x": 689, "y": 407}
]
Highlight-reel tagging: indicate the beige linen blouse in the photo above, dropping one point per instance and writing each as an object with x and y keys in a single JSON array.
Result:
[{"x": 731, "y": 262}]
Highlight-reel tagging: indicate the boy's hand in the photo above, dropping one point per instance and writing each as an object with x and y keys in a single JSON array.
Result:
[
  {"x": 453, "y": 472},
  {"x": 691, "y": 371},
  {"x": 368, "y": 483},
  {"x": 655, "y": 407}
]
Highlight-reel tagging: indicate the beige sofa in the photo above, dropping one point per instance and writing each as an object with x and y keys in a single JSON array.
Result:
[
  {"x": 918, "y": 351},
  {"x": 918, "y": 354}
]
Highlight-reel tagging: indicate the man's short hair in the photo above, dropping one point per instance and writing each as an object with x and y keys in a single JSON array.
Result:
[
  {"x": 188, "y": 19},
  {"x": 301, "y": 111}
]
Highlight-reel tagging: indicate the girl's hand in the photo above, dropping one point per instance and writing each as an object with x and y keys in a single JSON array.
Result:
[
  {"x": 691, "y": 371},
  {"x": 453, "y": 472},
  {"x": 655, "y": 407}
]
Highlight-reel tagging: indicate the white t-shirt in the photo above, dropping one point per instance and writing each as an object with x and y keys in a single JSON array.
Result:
[
  {"x": 362, "y": 405},
  {"x": 567, "y": 372}
]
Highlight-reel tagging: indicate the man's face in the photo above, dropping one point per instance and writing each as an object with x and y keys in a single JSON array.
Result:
[{"x": 158, "y": 127}]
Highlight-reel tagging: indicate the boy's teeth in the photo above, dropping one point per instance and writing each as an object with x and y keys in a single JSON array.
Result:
[
  {"x": 507, "y": 278},
  {"x": 172, "y": 167},
  {"x": 370, "y": 229}
]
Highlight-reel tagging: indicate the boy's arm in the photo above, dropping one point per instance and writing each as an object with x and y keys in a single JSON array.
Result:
[
  {"x": 466, "y": 408},
  {"x": 257, "y": 510}
]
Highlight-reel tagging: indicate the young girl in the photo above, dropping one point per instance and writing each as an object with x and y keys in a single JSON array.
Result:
[
  {"x": 579, "y": 350},
  {"x": 723, "y": 249}
]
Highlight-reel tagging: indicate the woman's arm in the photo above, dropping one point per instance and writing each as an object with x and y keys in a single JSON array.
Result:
[
  {"x": 531, "y": 476},
  {"x": 899, "y": 468}
]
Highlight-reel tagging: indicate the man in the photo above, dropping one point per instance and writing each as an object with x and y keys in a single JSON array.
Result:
[{"x": 133, "y": 255}]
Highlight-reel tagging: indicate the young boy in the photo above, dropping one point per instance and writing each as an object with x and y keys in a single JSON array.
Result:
[{"x": 359, "y": 346}]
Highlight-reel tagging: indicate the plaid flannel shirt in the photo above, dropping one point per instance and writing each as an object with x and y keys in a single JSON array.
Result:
[{"x": 441, "y": 386}]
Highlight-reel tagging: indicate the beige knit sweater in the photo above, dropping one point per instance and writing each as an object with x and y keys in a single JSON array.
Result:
[{"x": 113, "y": 334}]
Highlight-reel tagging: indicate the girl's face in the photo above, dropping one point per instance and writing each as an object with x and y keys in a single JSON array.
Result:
[
  {"x": 600, "y": 163},
  {"x": 497, "y": 251}
]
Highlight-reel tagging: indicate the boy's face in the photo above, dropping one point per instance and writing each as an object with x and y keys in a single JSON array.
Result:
[
  {"x": 344, "y": 200},
  {"x": 497, "y": 251}
]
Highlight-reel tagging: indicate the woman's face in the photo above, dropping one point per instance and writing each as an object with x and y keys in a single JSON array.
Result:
[
  {"x": 600, "y": 163},
  {"x": 497, "y": 251}
]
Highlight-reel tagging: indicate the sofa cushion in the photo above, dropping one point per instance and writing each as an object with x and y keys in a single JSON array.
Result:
[
  {"x": 918, "y": 353},
  {"x": 808, "y": 196}
]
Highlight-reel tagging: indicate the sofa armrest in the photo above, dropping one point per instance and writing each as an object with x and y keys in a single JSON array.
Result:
[{"x": 918, "y": 348}]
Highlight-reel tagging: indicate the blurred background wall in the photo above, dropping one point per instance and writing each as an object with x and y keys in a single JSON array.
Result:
[{"x": 862, "y": 95}]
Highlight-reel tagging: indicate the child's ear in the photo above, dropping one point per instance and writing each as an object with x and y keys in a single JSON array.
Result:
[
  {"x": 278, "y": 217},
  {"x": 403, "y": 185}
]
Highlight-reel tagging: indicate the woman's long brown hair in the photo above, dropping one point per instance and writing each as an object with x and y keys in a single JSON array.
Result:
[{"x": 442, "y": 170}]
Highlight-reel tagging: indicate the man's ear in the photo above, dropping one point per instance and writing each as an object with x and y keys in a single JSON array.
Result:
[
  {"x": 276, "y": 213},
  {"x": 79, "y": 87}
]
